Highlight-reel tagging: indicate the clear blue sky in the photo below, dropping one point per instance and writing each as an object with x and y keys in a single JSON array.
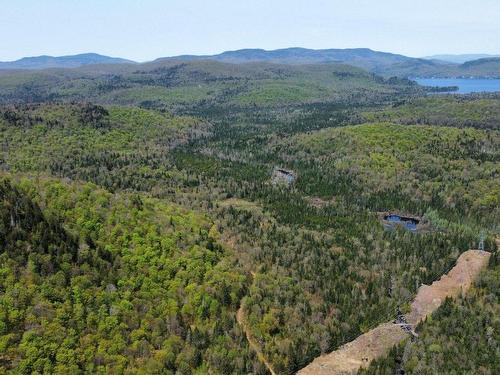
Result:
[{"x": 144, "y": 30}]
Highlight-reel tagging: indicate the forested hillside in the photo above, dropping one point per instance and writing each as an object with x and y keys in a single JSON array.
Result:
[
  {"x": 481, "y": 68},
  {"x": 142, "y": 207},
  {"x": 425, "y": 164},
  {"x": 382, "y": 63},
  {"x": 99, "y": 282},
  {"x": 116, "y": 147},
  {"x": 461, "y": 337},
  {"x": 482, "y": 112},
  {"x": 176, "y": 85}
]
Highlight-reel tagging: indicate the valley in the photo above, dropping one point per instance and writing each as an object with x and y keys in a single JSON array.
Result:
[{"x": 192, "y": 216}]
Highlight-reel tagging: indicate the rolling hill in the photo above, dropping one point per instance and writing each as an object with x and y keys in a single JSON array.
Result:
[
  {"x": 172, "y": 227},
  {"x": 360, "y": 57},
  {"x": 460, "y": 59},
  {"x": 72, "y": 61},
  {"x": 380, "y": 63},
  {"x": 136, "y": 240},
  {"x": 482, "y": 68},
  {"x": 174, "y": 84}
]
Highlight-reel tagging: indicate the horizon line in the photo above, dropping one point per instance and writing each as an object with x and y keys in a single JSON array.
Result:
[{"x": 427, "y": 56}]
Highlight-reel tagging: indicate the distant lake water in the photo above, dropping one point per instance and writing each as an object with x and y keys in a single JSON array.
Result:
[{"x": 465, "y": 85}]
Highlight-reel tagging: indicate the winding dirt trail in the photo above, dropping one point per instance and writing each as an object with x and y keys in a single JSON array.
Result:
[
  {"x": 240, "y": 317},
  {"x": 349, "y": 358},
  {"x": 242, "y": 321}
]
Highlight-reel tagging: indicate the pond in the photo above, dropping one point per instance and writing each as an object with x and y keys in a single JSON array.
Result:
[
  {"x": 465, "y": 85},
  {"x": 406, "y": 222}
]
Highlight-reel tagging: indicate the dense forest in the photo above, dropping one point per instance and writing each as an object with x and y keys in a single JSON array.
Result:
[
  {"x": 143, "y": 206},
  {"x": 462, "y": 337},
  {"x": 477, "y": 111},
  {"x": 102, "y": 283},
  {"x": 177, "y": 85}
]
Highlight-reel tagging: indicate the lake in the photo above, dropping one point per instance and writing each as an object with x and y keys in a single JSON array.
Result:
[{"x": 465, "y": 85}]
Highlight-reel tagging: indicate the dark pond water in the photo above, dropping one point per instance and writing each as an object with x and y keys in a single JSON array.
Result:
[
  {"x": 465, "y": 85},
  {"x": 405, "y": 222}
]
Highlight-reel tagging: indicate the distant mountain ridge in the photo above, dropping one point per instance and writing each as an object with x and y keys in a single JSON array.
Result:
[
  {"x": 71, "y": 61},
  {"x": 381, "y": 63},
  {"x": 360, "y": 57},
  {"x": 483, "y": 68},
  {"x": 460, "y": 59}
]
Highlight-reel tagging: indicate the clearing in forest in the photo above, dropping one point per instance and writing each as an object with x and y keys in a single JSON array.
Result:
[{"x": 349, "y": 358}]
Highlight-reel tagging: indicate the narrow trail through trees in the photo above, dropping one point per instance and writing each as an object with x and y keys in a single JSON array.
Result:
[
  {"x": 240, "y": 317},
  {"x": 349, "y": 358}
]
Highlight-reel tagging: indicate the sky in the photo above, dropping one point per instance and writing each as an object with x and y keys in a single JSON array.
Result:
[{"x": 143, "y": 30}]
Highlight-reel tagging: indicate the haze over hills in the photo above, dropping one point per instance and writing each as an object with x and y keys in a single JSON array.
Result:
[
  {"x": 459, "y": 59},
  {"x": 482, "y": 68},
  {"x": 71, "y": 61},
  {"x": 380, "y": 63},
  {"x": 360, "y": 57}
]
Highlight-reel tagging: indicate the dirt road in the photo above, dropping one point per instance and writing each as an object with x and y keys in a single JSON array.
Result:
[{"x": 377, "y": 342}]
